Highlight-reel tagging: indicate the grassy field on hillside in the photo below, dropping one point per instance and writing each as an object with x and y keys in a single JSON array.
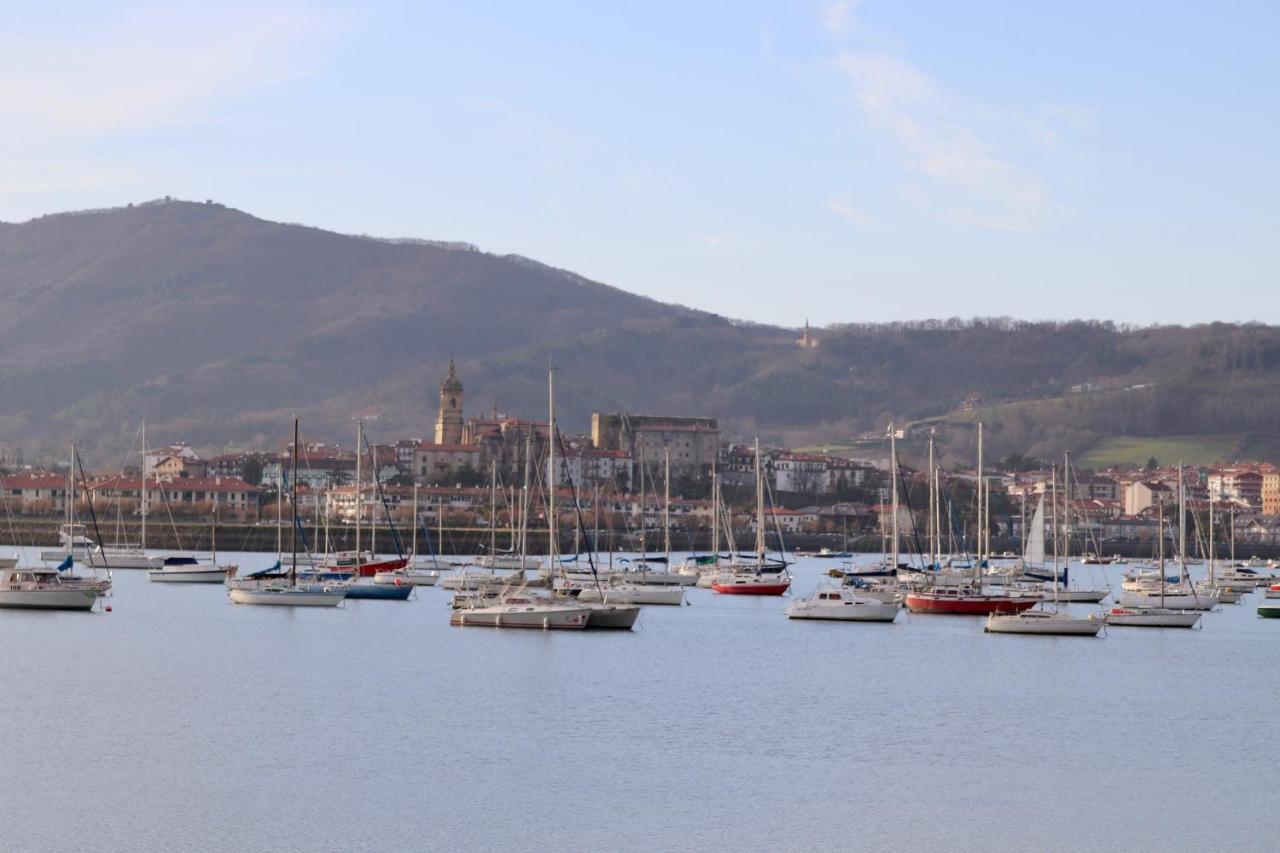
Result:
[{"x": 1167, "y": 450}]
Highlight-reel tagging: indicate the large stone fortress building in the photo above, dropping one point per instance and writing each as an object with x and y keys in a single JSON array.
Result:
[{"x": 692, "y": 442}]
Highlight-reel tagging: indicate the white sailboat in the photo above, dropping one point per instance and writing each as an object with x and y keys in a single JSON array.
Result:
[
  {"x": 1160, "y": 613},
  {"x": 1044, "y": 620},
  {"x": 191, "y": 570},
  {"x": 1147, "y": 591},
  {"x": 412, "y": 574},
  {"x": 287, "y": 592}
]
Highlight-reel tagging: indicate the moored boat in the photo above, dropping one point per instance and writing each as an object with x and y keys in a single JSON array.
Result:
[
  {"x": 1269, "y": 611},
  {"x": 1153, "y": 617},
  {"x": 842, "y": 604},
  {"x": 1045, "y": 623},
  {"x": 43, "y": 588}
]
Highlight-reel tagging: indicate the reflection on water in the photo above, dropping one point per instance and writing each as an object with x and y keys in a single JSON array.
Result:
[{"x": 181, "y": 722}]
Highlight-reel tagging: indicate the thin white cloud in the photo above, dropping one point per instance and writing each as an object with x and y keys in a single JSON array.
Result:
[
  {"x": 838, "y": 16},
  {"x": 858, "y": 217},
  {"x": 150, "y": 68},
  {"x": 956, "y": 172}
]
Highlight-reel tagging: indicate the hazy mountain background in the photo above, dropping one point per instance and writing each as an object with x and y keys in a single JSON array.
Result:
[{"x": 218, "y": 326}]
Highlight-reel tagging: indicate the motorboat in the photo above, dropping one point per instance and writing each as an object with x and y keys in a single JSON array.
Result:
[
  {"x": 523, "y": 611},
  {"x": 1153, "y": 617},
  {"x": 1055, "y": 622},
  {"x": 842, "y": 604},
  {"x": 1269, "y": 611},
  {"x": 189, "y": 570},
  {"x": 44, "y": 588},
  {"x": 1272, "y": 591}
]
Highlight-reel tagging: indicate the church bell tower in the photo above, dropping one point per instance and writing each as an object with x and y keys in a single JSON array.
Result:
[{"x": 449, "y": 421}]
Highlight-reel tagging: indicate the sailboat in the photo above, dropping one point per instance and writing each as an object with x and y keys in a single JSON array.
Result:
[
  {"x": 967, "y": 595},
  {"x": 191, "y": 570},
  {"x": 1158, "y": 614},
  {"x": 763, "y": 578},
  {"x": 665, "y": 576},
  {"x": 1079, "y": 594},
  {"x": 1145, "y": 590},
  {"x": 412, "y": 574},
  {"x": 509, "y": 603},
  {"x": 1044, "y": 620},
  {"x": 358, "y": 586},
  {"x": 286, "y": 592},
  {"x": 124, "y": 556}
]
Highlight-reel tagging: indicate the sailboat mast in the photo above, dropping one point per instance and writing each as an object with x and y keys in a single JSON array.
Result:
[
  {"x": 715, "y": 518},
  {"x": 71, "y": 503},
  {"x": 1211, "y": 549},
  {"x": 666, "y": 504},
  {"x": 143, "y": 507},
  {"x": 1182, "y": 527},
  {"x": 1160, "y": 536},
  {"x": 293, "y": 528},
  {"x": 416, "y": 522},
  {"x": 1054, "y": 486},
  {"x": 493, "y": 508},
  {"x": 644, "y": 548},
  {"x": 359, "y": 490},
  {"x": 893, "y": 476},
  {"x": 977, "y": 569},
  {"x": 933, "y": 533},
  {"x": 553, "y": 528},
  {"x": 759, "y": 510}
]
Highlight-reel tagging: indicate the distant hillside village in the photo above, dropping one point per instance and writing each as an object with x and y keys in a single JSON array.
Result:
[{"x": 473, "y": 469}]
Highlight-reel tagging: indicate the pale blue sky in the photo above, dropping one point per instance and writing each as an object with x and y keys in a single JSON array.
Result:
[{"x": 764, "y": 160}]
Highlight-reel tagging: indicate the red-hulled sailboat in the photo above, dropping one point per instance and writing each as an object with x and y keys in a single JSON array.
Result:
[
  {"x": 969, "y": 597},
  {"x": 360, "y": 563}
]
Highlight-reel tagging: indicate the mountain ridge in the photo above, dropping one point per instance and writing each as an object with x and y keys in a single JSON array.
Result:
[{"x": 218, "y": 325}]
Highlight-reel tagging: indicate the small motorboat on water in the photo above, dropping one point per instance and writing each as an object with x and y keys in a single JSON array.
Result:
[
  {"x": 842, "y": 604},
  {"x": 1269, "y": 611},
  {"x": 44, "y": 588}
]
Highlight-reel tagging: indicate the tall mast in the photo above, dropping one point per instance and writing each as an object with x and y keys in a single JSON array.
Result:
[
  {"x": 293, "y": 528},
  {"x": 416, "y": 522},
  {"x": 553, "y": 527},
  {"x": 932, "y": 531},
  {"x": 715, "y": 518},
  {"x": 1211, "y": 541},
  {"x": 893, "y": 475},
  {"x": 1182, "y": 527},
  {"x": 524, "y": 501},
  {"x": 644, "y": 549},
  {"x": 759, "y": 510},
  {"x": 666, "y": 504},
  {"x": 1054, "y": 486},
  {"x": 71, "y": 503},
  {"x": 981, "y": 519},
  {"x": 1160, "y": 524},
  {"x": 279, "y": 511},
  {"x": 143, "y": 507},
  {"x": 359, "y": 491},
  {"x": 493, "y": 508}
]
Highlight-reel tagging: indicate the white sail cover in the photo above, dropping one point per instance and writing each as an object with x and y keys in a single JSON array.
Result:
[{"x": 1034, "y": 555}]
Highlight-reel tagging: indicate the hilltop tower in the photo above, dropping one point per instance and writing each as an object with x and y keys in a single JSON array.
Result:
[{"x": 449, "y": 421}]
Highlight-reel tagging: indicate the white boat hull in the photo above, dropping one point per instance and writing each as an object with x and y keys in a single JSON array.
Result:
[
  {"x": 413, "y": 577},
  {"x": 185, "y": 575},
  {"x": 523, "y": 616},
  {"x": 1177, "y": 601},
  {"x": 109, "y": 559},
  {"x": 1081, "y": 596},
  {"x": 860, "y": 612},
  {"x": 288, "y": 596},
  {"x": 48, "y": 599},
  {"x": 1153, "y": 617},
  {"x": 1044, "y": 623},
  {"x": 647, "y": 578},
  {"x": 630, "y": 594}
]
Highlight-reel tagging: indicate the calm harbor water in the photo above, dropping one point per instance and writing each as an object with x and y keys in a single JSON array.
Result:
[{"x": 181, "y": 722}]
